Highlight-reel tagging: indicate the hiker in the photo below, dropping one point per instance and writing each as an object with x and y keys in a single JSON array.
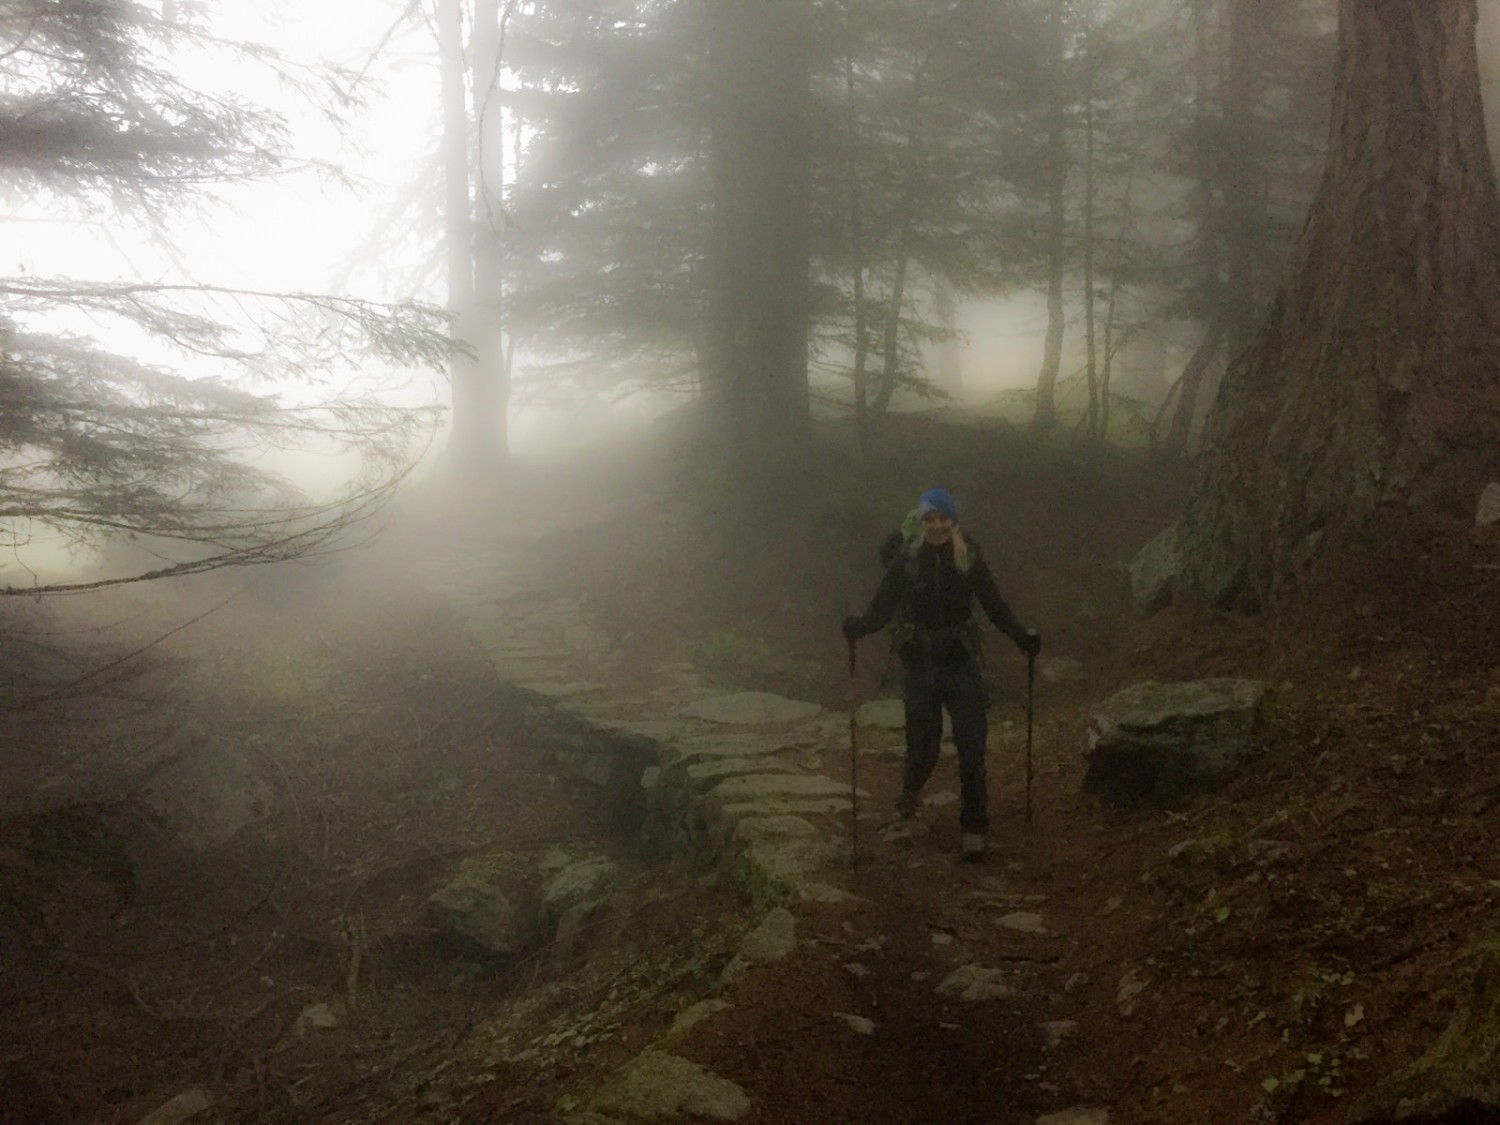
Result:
[{"x": 933, "y": 579}]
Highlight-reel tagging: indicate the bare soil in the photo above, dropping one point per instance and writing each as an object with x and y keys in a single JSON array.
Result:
[{"x": 1262, "y": 954}]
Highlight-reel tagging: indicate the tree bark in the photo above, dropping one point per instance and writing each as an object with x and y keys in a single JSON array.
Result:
[
  {"x": 1372, "y": 390},
  {"x": 489, "y": 409},
  {"x": 1244, "y": 199},
  {"x": 759, "y": 260},
  {"x": 1091, "y": 366},
  {"x": 950, "y": 371},
  {"x": 1045, "y": 414},
  {"x": 1190, "y": 387},
  {"x": 477, "y": 443},
  {"x": 857, "y": 248},
  {"x": 890, "y": 340}
]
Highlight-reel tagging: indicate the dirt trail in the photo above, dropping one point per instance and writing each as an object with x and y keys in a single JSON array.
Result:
[{"x": 1167, "y": 989}]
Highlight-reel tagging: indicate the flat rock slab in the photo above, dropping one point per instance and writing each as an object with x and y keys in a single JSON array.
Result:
[
  {"x": 788, "y": 861},
  {"x": 734, "y": 744},
  {"x": 785, "y": 806},
  {"x": 773, "y": 939},
  {"x": 650, "y": 730},
  {"x": 1078, "y": 1115},
  {"x": 183, "y": 1108},
  {"x": 1489, "y": 505},
  {"x": 975, "y": 983},
  {"x": 754, "y": 828},
  {"x": 563, "y": 690},
  {"x": 660, "y": 1086},
  {"x": 751, "y": 708},
  {"x": 768, "y": 786},
  {"x": 888, "y": 714},
  {"x": 1024, "y": 922},
  {"x": 705, "y": 775}
]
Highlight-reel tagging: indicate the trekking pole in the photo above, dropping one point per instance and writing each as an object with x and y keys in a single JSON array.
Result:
[
  {"x": 1030, "y": 690},
  {"x": 853, "y": 759}
]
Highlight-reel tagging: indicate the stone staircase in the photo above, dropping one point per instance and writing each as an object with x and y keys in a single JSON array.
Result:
[
  {"x": 751, "y": 783},
  {"x": 739, "y": 780},
  {"x": 743, "y": 779}
]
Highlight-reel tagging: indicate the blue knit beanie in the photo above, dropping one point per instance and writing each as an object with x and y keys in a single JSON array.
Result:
[{"x": 937, "y": 500}]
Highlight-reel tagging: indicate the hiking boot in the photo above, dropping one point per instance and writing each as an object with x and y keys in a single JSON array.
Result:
[
  {"x": 971, "y": 849},
  {"x": 906, "y": 806}
]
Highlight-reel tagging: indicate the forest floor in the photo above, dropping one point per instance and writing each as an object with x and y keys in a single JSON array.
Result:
[{"x": 1263, "y": 954}]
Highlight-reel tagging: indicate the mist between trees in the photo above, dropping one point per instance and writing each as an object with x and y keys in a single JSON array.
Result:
[{"x": 780, "y": 210}]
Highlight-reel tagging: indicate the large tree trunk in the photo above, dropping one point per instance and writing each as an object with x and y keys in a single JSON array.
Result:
[
  {"x": 491, "y": 393},
  {"x": 478, "y": 442},
  {"x": 950, "y": 365},
  {"x": 1243, "y": 221},
  {"x": 759, "y": 261},
  {"x": 890, "y": 339},
  {"x": 458, "y": 233},
  {"x": 1373, "y": 389}
]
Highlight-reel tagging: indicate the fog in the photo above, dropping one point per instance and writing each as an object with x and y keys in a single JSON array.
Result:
[{"x": 346, "y": 214}]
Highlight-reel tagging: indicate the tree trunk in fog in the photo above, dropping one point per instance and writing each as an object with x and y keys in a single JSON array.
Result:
[
  {"x": 950, "y": 372},
  {"x": 477, "y": 443},
  {"x": 759, "y": 260},
  {"x": 1106, "y": 372},
  {"x": 1045, "y": 416},
  {"x": 1244, "y": 171},
  {"x": 491, "y": 399},
  {"x": 904, "y": 218},
  {"x": 1372, "y": 390},
  {"x": 857, "y": 248},
  {"x": 1091, "y": 368},
  {"x": 1213, "y": 218},
  {"x": 1190, "y": 386},
  {"x": 891, "y": 335}
]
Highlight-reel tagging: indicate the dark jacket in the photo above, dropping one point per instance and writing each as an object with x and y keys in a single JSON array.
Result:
[{"x": 938, "y": 596}]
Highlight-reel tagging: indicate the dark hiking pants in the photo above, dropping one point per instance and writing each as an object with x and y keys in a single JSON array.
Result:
[{"x": 959, "y": 688}]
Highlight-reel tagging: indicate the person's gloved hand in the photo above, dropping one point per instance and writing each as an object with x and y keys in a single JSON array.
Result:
[
  {"x": 1032, "y": 644},
  {"x": 852, "y": 629}
]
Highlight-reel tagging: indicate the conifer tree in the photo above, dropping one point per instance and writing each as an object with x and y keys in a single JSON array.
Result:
[
  {"x": 1365, "y": 414},
  {"x": 95, "y": 441}
]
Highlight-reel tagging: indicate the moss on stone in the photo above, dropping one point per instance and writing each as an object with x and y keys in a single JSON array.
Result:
[{"x": 1460, "y": 1074}]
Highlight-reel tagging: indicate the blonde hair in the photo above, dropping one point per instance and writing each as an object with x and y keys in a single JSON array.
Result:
[{"x": 960, "y": 548}]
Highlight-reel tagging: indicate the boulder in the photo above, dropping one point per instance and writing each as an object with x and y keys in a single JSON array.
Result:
[
  {"x": 751, "y": 708},
  {"x": 1458, "y": 1078},
  {"x": 1488, "y": 512},
  {"x": 658, "y": 1085},
  {"x": 573, "y": 900},
  {"x": 579, "y": 883},
  {"x": 482, "y": 903},
  {"x": 974, "y": 983},
  {"x": 1165, "y": 740},
  {"x": 211, "y": 790},
  {"x": 1153, "y": 571},
  {"x": 184, "y": 1107}
]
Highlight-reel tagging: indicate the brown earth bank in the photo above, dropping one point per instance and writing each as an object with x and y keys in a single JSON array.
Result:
[{"x": 1262, "y": 954}]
